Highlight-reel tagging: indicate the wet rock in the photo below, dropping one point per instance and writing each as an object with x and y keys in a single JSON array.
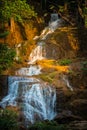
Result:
[{"x": 3, "y": 85}]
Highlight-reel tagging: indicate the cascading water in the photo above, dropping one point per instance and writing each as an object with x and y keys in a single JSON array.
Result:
[
  {"x": 65, "y": 79},
  {"x": 29, "y": 71},
  {"x": 54, "y": 23},
  {"x": 38, "y": 53},
  {"x": 41, "y": 106},
  {"x": 35, "y": 98}
]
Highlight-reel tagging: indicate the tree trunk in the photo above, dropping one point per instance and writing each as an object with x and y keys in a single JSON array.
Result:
[{"x": 80, "y": 14}]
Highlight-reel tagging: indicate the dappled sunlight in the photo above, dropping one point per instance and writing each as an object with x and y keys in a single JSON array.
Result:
[
  {"x": 62, "y": 68},
  {"x": 52, "y": 64},
  {"x": 73, "y": 42},
  {"x": 72, "y": 39},
  {"x": 30, "y": 32}
]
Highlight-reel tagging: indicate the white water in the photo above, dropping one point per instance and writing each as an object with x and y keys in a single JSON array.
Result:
[
  {"x": 54, "y": 23},
  {"x": 65, "y": 79},
  {"x": 39, "y": 52},
  {"x": 35, "y": 98},
  {"x": 40, "y": 103},
  {"x": 29, "y": 71}
]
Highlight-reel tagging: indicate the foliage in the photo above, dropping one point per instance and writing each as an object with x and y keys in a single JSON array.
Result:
[
  {"x": 18, "y": 9},
  {"x": 6, "y": 56},
  {"x": 84, "y": 68},
  {"x": 85, "y": 14},
  {"x": 4, "y": 34},
  {"x": 70, "y": 9},
  {"x": 8, "y": 120},
  {"x": 65, "y": 62},
  {"x": 48, "y": 125},
  {"x": 61, "y": 9},
  {"x": 48, "y": 77}
]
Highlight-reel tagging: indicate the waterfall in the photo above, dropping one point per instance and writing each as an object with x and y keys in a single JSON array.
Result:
[
  {"x": 38, "y": 53},
  {"x": 29, "y": 71},
  {"x": 65, "y": 79},
  {"x": 54, "y": 17},
  {"x": 40, "y": 103},
  {"x": 54, "y": 23},
  {"x": 35, "y": 98}
]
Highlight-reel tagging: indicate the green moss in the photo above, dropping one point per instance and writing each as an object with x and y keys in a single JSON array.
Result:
[
  {"x": 65, "y": 62},
  {"x": 48, "y": 77},
  {"x": 84, "y": 68}
]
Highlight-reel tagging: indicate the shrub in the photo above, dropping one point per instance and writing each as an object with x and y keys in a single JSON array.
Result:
[
  {"x": 48, "y": 125},
  {"x": 84, "y": 68},
  {"x": 6, "y": 56},
  {"x": 18, "y": 9},
  {"x": 8, "y": 120},
  {"x": 65, "y": 62},
  {"x": 48, "y": 77},
  {"x": 4, "y": 34}
]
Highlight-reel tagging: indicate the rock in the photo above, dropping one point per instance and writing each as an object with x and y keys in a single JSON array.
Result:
[
  {"x": 78, "y": 125},
  {"x": 3, "y": 85},
  {"x": 66, "y": 117},
  {"x": 79, "y": 107},
  {"x": 22, "y": 127}
]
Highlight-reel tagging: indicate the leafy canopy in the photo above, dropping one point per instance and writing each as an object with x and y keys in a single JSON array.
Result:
[{"x": 18, "y": 9}]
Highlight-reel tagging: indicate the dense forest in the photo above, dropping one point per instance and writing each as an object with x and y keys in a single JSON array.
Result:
[{"x": 25, "y": 25}]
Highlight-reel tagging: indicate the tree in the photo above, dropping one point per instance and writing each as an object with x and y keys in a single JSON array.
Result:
[
  {"x": 74, "y": 8},
  {"x": 18, "y": 9},
  {"x": 80, "y": 11}
]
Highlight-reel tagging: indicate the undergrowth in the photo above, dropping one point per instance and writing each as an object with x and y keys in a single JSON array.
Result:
[
  {"x": 8, "y": 120},
  {"x": 6, "y": 56},
  {"x": 84, "y": 68},
  {"x": 65, "y": 62},
  {"x": 48, "y": 125}
]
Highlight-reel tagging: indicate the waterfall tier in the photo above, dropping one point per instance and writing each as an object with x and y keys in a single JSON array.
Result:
[
  {"x": 38, "y": 53},
  {"x": 35, "y": 98},
  {"x": 29, "y": 71}
]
